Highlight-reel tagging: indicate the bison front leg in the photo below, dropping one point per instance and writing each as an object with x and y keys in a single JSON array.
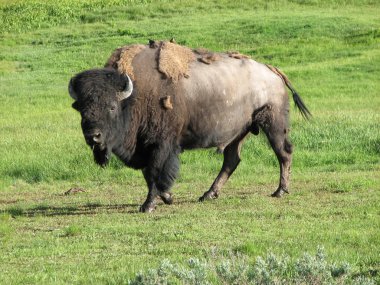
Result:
[
  {"x": 150, "y": 203},
  {"x": 160, "y": 176}
]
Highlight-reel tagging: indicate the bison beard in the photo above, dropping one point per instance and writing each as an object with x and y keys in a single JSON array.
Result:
[{"x": 101, "y": 155}]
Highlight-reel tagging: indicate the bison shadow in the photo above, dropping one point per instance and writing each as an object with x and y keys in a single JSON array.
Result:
[{"x": 87, "y": 209}]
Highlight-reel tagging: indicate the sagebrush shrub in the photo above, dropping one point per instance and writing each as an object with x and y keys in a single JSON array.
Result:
[{"x": 236, "y": 269}]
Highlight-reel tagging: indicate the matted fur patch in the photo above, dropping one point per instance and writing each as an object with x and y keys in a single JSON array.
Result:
[
  {"x": 121, "y": 59},
  {"x": 237, "y": 55},
  {"x": 174, "y": 60},
  {"x": 209, "y": 58},
  {"x": 166, "y": 103},
  {"x": 206, "y": 56}
]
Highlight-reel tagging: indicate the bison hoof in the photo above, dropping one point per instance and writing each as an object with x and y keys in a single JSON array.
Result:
[
  {"x": 279, "y": 192},
  {"x": 147, "y": 208},
  {"x": 209, "y": 195},
  {"x": 167, "y": 198}
]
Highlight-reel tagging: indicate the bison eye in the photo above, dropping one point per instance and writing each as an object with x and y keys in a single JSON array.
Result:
[{"x": 113, "y": 108}]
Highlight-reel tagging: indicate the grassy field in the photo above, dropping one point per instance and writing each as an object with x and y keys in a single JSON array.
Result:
[{"x": 329, "y": 49}]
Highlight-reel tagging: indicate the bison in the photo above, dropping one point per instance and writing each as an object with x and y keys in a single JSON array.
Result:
[{"x": 215, "y": 100}]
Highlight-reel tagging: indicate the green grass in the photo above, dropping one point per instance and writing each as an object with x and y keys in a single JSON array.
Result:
[{"x": 329, "y": 49}]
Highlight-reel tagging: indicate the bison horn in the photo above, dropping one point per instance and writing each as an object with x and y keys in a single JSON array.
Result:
[
  {"x": 127, "y": 91},
  {"x": 71, "y": 91}
]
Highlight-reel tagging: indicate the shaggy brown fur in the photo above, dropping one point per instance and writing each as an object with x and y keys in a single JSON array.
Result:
[
  {"x": 174, "y": 60},
  {"x": 121, "y": 59}
]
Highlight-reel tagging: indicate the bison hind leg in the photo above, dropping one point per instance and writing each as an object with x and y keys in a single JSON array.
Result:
[
  {"x": 283, "y": 149},
  {"x": 275, "y": 126}
]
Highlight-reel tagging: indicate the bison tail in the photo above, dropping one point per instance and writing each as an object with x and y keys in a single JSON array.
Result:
[
  {"x": 300, "y": 104},
  {"x": 296, "y": 98}
]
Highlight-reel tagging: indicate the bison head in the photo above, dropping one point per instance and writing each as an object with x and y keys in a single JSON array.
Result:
[{"x": 98, "y": 96}]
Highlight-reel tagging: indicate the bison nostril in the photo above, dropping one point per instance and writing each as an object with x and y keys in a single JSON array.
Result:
[
  {"x": 97, "y": 137},
  {"x": 94, "y": 137}
]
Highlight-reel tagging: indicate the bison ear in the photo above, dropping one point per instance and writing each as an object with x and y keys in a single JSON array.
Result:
[
  {"x": 71, "y": 90},
  {"x": 76, "y": 106},
  {"x": 127, "y": 89}
]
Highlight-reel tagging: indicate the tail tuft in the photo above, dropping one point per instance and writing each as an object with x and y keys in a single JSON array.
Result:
[{"x": 301, "y": 105}]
